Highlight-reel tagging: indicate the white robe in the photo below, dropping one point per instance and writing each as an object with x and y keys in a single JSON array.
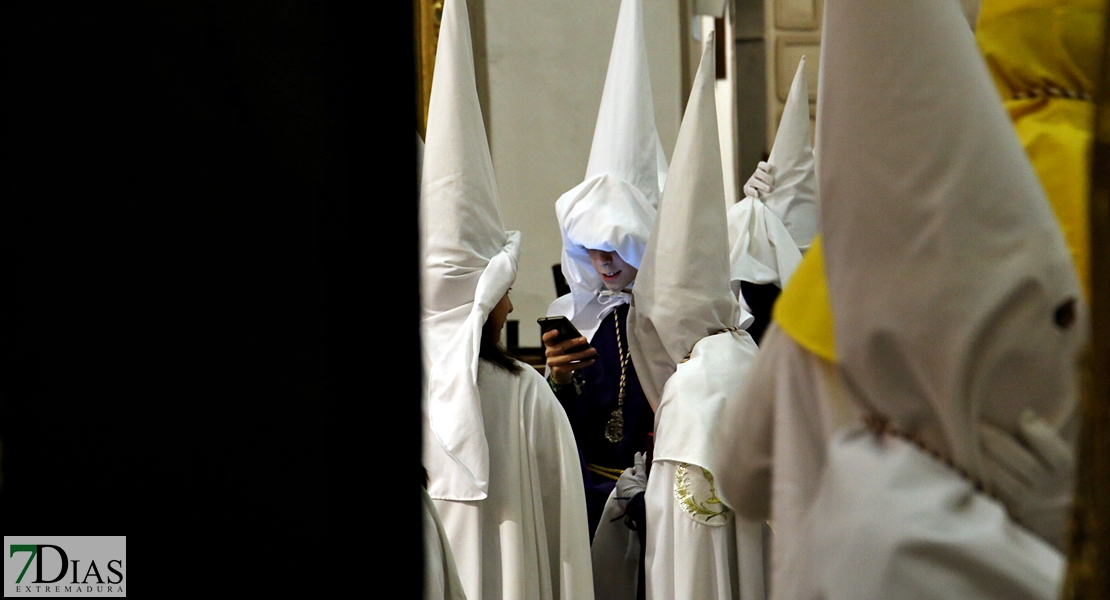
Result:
[
  {"x": 528, "y": 539},
  {"x": 889, "y": 520},
  {"x": 441, "y": 577},
  {"x": 692, "y": 560}
]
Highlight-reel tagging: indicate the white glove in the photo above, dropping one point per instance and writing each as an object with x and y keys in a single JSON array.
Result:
[
  {"x": 1034, "y": 474},
  {"x": 760, "y": 181},
  {"x": 634, "y": 479}
]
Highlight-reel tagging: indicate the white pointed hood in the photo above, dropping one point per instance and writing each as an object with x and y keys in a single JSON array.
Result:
[
  {"x": 469, "y": 262},
  {"x": 683, "y": 291},
  {"x": 947, "y": 270},
  {"x": 794, "y": 198},
  {"x": 614, "y": 207}
]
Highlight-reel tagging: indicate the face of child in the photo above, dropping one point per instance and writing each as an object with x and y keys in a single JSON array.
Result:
[
  {"x": 616, "y": 273},
  {"x": 500, "y": 314}
]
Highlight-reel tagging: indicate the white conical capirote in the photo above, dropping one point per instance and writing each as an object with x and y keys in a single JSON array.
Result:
[
  {"x": 626, "y": 142},
  {"x": 794, "y": 196},
  {"x": 682, "y": 292},
  {"x": 945, "y": 264},
  {"x": 468, "y": 263},
  {"x": 614, "y": 207}
]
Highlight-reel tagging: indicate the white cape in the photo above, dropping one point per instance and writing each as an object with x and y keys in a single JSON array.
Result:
[
  {"x": 934, "y": 536},
  {"x": 528, "y": 539}
]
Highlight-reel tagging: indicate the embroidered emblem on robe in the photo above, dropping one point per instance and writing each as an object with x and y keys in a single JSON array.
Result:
[{"x": 696, "y": 495}]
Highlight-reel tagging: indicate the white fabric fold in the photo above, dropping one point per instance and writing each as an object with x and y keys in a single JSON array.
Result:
[
  {"x": 761, "y": 250},
  {"x": 948, "y": 542},
  {"x": 688, "y": 423},
  {"x": 528, "y": 539},
  {"x": 602, "y": 213},
  {"x": 441, "y": 576}
]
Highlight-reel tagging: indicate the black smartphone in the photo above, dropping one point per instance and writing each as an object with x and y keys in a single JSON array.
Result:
[{"x": 567, "y": 330}]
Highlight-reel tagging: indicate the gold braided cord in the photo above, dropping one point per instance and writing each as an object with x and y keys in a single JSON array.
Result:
[
  {"x": 725, "y": 330},
  {"x": 614, "y": 429},
  {"x": 606, "y": 472},
  {"x": 1054, "y": 92},
  {"x": 882, "y": 425}
]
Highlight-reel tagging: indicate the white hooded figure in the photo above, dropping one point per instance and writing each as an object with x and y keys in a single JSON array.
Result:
[
  {"x": 606, "y": 221},
  {"x": 503, "y": 470},
  {"x": 957, "y": 321},
  {"x": 689, "y": 346}
]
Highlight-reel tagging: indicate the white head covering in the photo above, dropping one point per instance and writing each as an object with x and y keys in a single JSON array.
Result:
[
  {"x": 614, "y": 207},
  {"x": 794, "y": 198},
  {"x": 761, "y": 250},
  {"x": 683, "y": 292},
  {"x": 945, "y": 263},
  {"x": 469, "y": 262}
]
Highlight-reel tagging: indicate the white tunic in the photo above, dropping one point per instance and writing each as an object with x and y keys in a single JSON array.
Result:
[{"x": 528, "y": 539}]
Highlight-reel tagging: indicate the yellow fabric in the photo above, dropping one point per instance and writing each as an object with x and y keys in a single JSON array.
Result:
[
  {"x": 1043, "y": 56},
  {"x": 802, "y": 310}
]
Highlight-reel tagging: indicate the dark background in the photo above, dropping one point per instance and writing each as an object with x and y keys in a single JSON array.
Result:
[{"x": 209, "y": 292}]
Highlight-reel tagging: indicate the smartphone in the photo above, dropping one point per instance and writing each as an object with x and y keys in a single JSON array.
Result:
[{"x": 567, "y": 330}]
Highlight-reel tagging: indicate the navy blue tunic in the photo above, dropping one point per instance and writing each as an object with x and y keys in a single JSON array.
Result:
[{"x": 590, "y": 411}]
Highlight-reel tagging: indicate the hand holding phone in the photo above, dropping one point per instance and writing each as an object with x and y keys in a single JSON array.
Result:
[{"x": 565, "y": 348}]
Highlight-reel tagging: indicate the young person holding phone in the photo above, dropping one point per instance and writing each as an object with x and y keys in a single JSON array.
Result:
[{"x": 606, "y": 221}]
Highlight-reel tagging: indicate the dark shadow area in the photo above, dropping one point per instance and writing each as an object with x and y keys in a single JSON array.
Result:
[{"x": 194, "y": 272}]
